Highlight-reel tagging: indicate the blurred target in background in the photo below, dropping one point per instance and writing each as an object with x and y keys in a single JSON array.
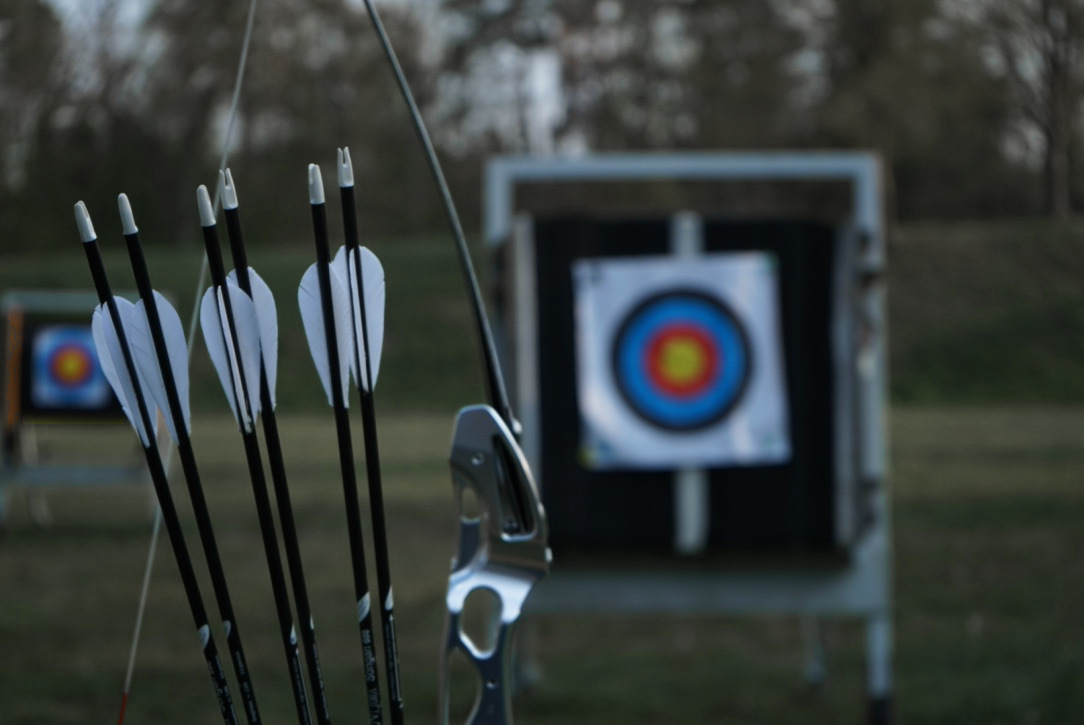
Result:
[
  {"x": 680, "y": 361},
  {"x": 64, "y": 370},
  {"x": 51, "y": 368}
]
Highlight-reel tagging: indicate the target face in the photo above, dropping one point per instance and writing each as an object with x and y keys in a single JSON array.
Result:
[
  {"x": 681, "y": 360},
  {"x": 65, "y": 369}
]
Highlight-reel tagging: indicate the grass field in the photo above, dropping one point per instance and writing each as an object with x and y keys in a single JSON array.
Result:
[
  {"x": 987, "y": 435},
  {"x": 978, "y": 312},
  {"x": 987, "y": 311},
  {"x": 989, "y": 525}
]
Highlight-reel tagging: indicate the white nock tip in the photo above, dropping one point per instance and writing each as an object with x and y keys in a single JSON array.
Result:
[
  {"x": 127, "y": 220},
  {"x": 82, "y": 220},
  {"x": 206, "y": 213},
  {"x": 229, "y": 191},
  {"x": 346, "y": 169},
  {"x": 316, "y": 185}
]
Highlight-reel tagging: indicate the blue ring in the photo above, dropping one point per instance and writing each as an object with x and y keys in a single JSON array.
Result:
[{"x": 656, "y": 405}]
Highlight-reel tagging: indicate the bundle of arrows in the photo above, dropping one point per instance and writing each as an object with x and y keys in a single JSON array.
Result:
[
  {"x": 144, "y": 354},
  {"x": 143, "y": 350}
]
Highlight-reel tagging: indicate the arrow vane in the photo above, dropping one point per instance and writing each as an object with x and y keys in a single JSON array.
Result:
[
  {"x": 107, "y": 340},
  {"x": 176, "y": 355},
  {"x": 312, "y": 318},
  {"x": 218, "y": 334}
]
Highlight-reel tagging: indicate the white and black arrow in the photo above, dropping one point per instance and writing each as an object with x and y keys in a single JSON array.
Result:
[
  {"x": 364, "y": 276},
  {"x": 110, "y": 326},
  {"x": 161, "y": 354},
  {"x": 267, "y": 324},
  {"x": 327, "y": 317},
  {"x": 231, "y": 330}
]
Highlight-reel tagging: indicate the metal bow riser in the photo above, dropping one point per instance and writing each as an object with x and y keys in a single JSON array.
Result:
[{"x": 503, "y": 550}]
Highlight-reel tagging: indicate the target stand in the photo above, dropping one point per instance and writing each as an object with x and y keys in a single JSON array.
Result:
[
  {"x": 702, "y": 393},
  {"x": 60, "y": 415}
]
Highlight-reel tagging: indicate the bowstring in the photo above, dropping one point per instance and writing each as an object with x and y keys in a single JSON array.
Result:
[{"x": 201, "y": 284}]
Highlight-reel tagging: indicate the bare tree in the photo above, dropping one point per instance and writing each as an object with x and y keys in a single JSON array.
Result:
[
  {"x": 1037, "y": 45},
  {"x": 30, "y": 46}
]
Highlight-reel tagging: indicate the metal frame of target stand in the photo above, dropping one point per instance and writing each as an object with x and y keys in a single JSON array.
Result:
[{"x": 863, "y": 586}]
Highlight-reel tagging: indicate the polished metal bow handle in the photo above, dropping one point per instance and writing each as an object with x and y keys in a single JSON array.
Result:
[{"x": 501, "y": 549}]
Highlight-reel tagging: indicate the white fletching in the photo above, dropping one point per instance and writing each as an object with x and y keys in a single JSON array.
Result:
[
  {"x": 373, "y": 287},
  {"x": 357, "y": 349},
  {"x": 211, "y": 325},
  {"x": 268, "y": 324},
  {"x": 216, "y": 334},
  {"x": 248, "y": 339},
  {"x": 372, "y": 274},
  {"x": 111, "y": 358},
  {"x": 142, "y": 346},
  {"x": 312, "y": 318}
]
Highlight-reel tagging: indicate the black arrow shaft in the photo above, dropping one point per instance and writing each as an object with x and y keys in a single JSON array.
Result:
[
  {"x": 282, "y": 492},
  {"x": 372, "y": 465},
  {"x": 192, "y": 478},
  {"x": 160, "y": 481},
  {"x": 259, "y": 483},
  {"x": 346, "y": 464}
]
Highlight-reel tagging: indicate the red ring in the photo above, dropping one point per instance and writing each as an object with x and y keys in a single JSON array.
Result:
[
  {"x": 686, "y": 388},
  {"x": 64, "y": 354}
]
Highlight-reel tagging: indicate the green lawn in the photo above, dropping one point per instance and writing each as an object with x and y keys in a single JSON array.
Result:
[
  {"x": 987, "y": 311},
  {"x": 989, "y": 525},
  {"x": 987, "y": 342},
  {"x": 978, "y": 311},
  {"x": 429, "y": 361}
]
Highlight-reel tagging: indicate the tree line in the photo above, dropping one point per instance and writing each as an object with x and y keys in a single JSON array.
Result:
[{"x": 976, "y": 106}]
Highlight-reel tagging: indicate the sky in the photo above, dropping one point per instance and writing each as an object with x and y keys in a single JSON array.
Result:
[{"x": 519, "y": 97}]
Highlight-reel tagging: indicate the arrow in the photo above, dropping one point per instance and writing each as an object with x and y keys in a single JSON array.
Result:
[
  {"x": 161, "y": 354},
  {"x": 231, "y": 330},
  {"x": 365, "y": 285},
  {"x": 326, "y": 316},
  {"x": 267, "y": 324},
  {"x": 111, "y": 341}
]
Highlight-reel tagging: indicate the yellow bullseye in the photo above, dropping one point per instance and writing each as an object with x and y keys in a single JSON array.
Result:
[
  {"x": 71, "y": 366},
  {"x": 682, "y": 360}
]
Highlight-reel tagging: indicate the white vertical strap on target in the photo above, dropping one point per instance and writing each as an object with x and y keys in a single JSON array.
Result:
[{"x": 692, "y": 500}]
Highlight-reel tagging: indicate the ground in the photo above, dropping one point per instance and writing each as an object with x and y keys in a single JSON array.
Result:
[{"x": 989, "y": 525}]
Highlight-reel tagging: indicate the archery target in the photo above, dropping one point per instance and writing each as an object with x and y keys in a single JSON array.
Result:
[
  {"x": 679, "y": 361},
  {"x": 64, "y": 370}
]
